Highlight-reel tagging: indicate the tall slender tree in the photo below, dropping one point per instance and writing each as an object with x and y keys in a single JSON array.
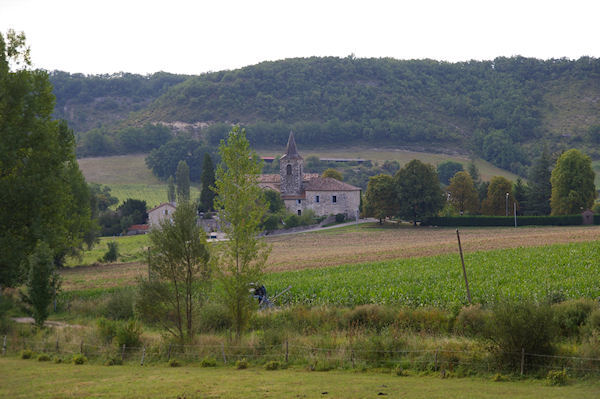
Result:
[
  {"x": 463, "y": 195},
  {"x": 182, "y": 179},
  {"x": 241, "y": 207},
  {"x": 207, "y": 179},
  {"x": 171, "y": 190}
]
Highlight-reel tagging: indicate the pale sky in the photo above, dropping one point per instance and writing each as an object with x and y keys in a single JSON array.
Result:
[{"x": 191, "y": 37}]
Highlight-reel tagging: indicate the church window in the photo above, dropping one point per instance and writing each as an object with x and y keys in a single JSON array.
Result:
[
  {"x": 334, "y": 199},
  {"x": 299, "y": 212},
  {"x": 316, "y": 198},
  {"x": 299, "y": 201},
  {"x": 288, "y": 170}
]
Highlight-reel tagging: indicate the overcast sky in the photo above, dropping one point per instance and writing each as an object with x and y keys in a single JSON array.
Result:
[{"x": 191, "y": 37}]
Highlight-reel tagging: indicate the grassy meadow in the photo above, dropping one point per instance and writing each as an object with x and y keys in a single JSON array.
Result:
[
  {"x": 41, "y": 380},
  {"x": 128, "y": 177}
]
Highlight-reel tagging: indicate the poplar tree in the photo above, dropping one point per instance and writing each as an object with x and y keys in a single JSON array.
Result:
[
  {"x": 207, "y": 179},
  {"x": 182, "y": 179},
  {"x": 241, "y": 206}
]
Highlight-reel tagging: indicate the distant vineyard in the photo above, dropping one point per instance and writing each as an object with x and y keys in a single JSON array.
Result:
[{"x": 539, "y": 273}]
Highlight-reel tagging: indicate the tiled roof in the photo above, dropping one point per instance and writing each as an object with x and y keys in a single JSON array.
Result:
[
  {"x": 328, "y": 184},
  {"x": 269, "y": 178},
  {"x": 138, "y": 227},
  {"x": 161, "y": 205}
]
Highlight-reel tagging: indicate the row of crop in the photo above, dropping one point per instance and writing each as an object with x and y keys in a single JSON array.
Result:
[{"x": 458, "y": 221}]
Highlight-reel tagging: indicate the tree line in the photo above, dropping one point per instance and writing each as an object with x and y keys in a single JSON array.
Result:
[{"x": 416, "y": 191}]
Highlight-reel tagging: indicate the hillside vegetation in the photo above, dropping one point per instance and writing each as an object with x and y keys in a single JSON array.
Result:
[{"x": 503, "y": 110}]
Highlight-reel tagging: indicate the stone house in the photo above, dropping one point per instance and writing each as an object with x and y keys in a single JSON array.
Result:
[
  {"x": 157, "y": 214},
  {"x": 301, "y": 191}
]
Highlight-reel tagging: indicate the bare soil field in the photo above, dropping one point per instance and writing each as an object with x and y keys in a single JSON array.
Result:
[{"x": 365, "y": 243}]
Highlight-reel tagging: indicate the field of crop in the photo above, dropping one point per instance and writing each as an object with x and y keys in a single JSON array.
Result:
[
  {"x": 564, "y": 270},
  {"x": 403, "y": 265},
  {"x": 32, "y": 379}
]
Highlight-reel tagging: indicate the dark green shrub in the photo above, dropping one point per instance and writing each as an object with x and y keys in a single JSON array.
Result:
[
  {"x": 113, "y": 252},
  {"x": 26, "y": 354},
  {"x": 472, "y": 321},
  {"x": 291, "y": 221},
  {"x": 79, "y": 359},
  {"x": 42, "y": 357},
  {"x": 107, "y": 329},
  {"x": 208, "y": 362},
  {"x": 557, "y": 377},
  {"x": 370, "y": 316},
  {"x": 521, "y": 325},
  {"x": 340, "y": 218},
  {"x": 594, "y": 320},
  {"x": 241, "y": 364},
  {"x": 272, "y": 365},
  {"x": 174, "y": 363},
  {"x": 271, "y": 223},
  {"x": 573, "y": 314},
  {"x": 214, "y": 317},
  {"x": 457, "y": 221},
  {"x": 430, "y": 320},
  {"x": 120, "y": 305},
  {"x": 129, "y": 334}
]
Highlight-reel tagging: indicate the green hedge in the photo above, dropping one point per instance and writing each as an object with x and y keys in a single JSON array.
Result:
[{"x": 568, "y": 220}]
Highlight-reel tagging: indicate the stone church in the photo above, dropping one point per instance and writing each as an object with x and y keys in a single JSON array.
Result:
[{"x": 301, "y": 191}]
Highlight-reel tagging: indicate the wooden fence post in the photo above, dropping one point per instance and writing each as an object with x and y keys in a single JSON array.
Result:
[
  {"x": 57, "y": 350},
  {"x": 169, "y": 352},
  {"x": 462, "y": 259},
  {"x": 435, "y": 362},
  {"x": 81, "y": 347},
  {"x": 223, "y": 353},
  {"x": 286, "y": 350},
  {"x": 143, "y": 355},
  {"x": 123, "y": 353},
  {"x": 4, "y": 346},
  {"x": 352, "y": 357}
]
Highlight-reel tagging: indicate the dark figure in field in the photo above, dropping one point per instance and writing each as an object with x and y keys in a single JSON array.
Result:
[{"x": 261, "y": 294}]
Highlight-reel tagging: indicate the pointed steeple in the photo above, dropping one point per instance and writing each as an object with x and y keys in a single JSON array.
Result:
[{"x": 291, "y": 152}]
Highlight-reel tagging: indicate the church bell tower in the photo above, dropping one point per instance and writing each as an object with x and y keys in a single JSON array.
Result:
[{"x": 291, "y": 167}]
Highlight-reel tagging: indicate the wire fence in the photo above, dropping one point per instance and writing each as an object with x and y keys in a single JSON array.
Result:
[{"x": 323, "y": 358}]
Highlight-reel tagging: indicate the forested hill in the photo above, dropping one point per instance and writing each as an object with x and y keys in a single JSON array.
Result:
[
  {"x": 88, "y": 102},
  {"x": 503, "y": 110}
]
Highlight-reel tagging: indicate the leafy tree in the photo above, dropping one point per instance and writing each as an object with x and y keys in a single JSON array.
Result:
[
  {"x": 521, "y": 191},
  {"x": 274, "y": 201},
  {"x": 540, "y": 187},
  {"x": 496, "y": 200},
  {"x": 446, "y": 171},
  {"x": 334, "y": 174},
  {"x": 418, "y": 191},
  {"x": 207, "y": 195},
  {"x": 573, "y": 188},
  {"x": 241, "y": 208},
  {"x": 474, "y": 172},
  {"x": 43, "y": 196},
  {"x": 380, "y": 198},
  {"x": 101, "y": 197},
  {"x": 178, "y": 261},
  {"x": 132, "y": 211},
  {"x": 182, "y": 179},
  {"x": 42, "y": 282},
  {"x": 163, "y": 161},
  {"x": 463, "y": 195},
  {"x": 171, "y": 189}
]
